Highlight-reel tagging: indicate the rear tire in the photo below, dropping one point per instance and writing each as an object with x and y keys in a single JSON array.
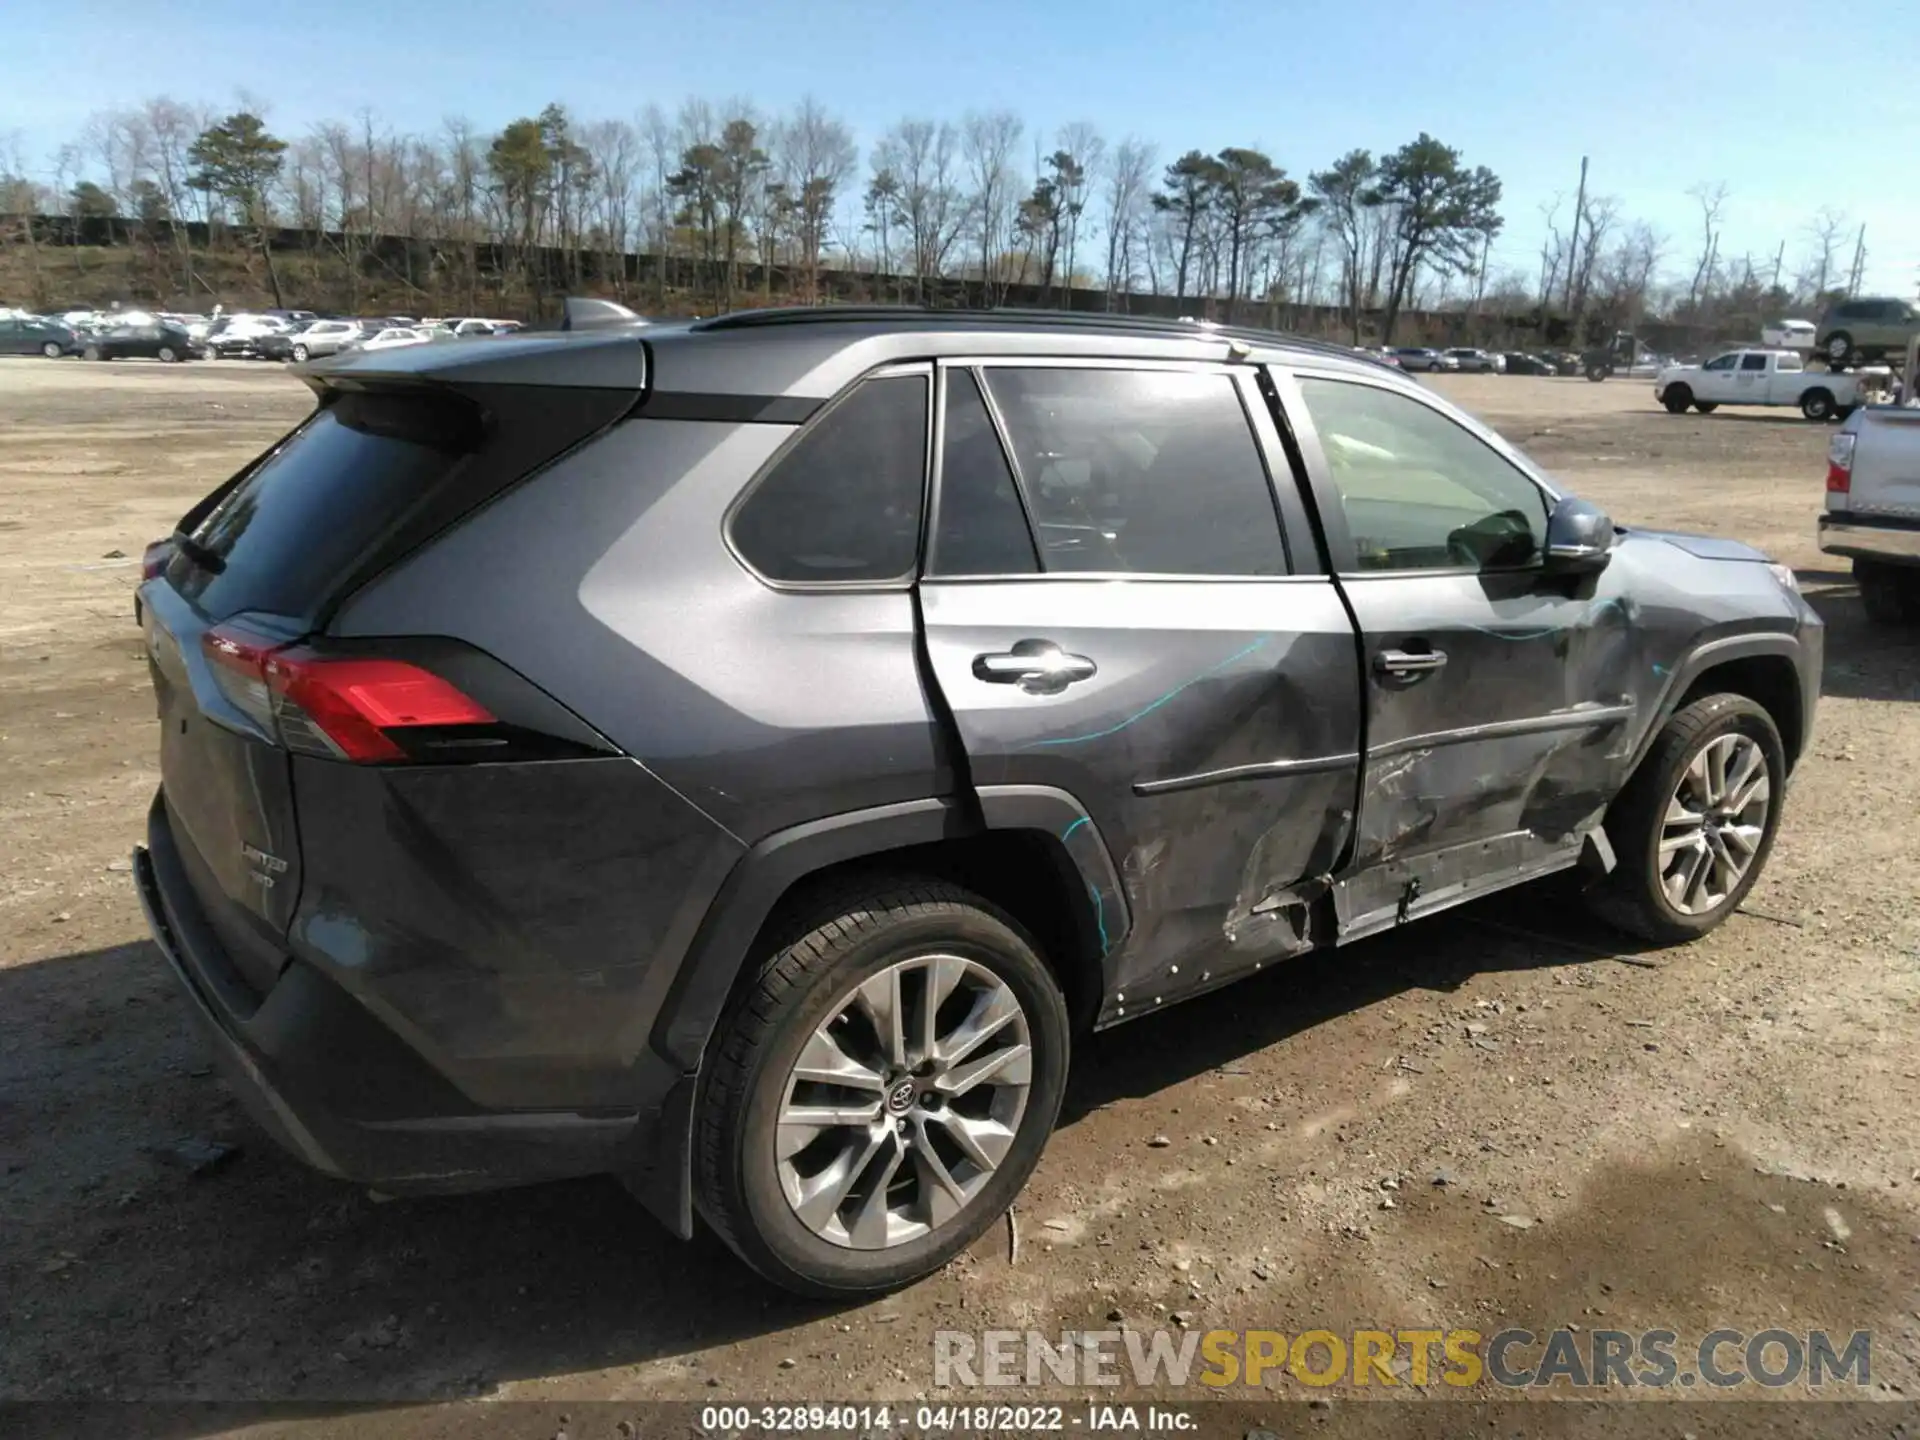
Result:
[
  {"x": 1817, "y": 404},
  {"x": 1677, "y": 399},
  {"x": 52, "y": 350},
  {"x": 1597, "y": 373},
  {"x": 92, "y": 352},
  {"x": 1838, "y": 349},
  {"x": 167, "y": 355},
  {"x": 1652, "y": 823},
  {"x": 1890, "y": 594},
  {"x": 808, "y": 999}
]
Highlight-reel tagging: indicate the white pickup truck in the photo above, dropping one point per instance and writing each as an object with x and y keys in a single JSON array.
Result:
[
  {"x": 1764, "y": 377},
  {"x": 1873, "y": 502}
]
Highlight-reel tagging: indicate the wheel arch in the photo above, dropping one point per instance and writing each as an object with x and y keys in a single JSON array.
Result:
[
  {"x": 1767, "y": 669},
  {"x": 1030, "y": 850}
]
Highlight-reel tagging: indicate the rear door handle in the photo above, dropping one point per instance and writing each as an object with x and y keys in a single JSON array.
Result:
[
  {"x": 1409, "y": 662},
  {"x": 1039, "y": 667}
]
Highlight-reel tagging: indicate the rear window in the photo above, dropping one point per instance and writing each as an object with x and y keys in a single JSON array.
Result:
[{"x": 296, "y": 524}]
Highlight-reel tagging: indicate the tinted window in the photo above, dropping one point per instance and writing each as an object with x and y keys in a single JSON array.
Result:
[
  {"x": 1419, "y": 491},
  {"x": 844, "y": 503},
  {"x": 293, "y": 528},
  {"x": 1753, "y": 362},
  {"x": 981, "y": 528},
  {"x": 1153, "y": 472}
]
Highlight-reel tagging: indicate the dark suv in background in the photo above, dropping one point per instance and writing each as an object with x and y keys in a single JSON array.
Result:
[
  {"x": 1863, "y": 330},
  {"x": 739, "y": 755}
]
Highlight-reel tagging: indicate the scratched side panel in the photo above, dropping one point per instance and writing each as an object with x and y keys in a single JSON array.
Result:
[{"x": 1203, "y": 690}]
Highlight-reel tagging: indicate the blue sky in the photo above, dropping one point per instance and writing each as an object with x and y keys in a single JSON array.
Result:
[{"x": 1659, "y": 95}]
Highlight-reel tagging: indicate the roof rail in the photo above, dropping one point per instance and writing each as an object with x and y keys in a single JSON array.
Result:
[{"x": 1063, "y": 319}]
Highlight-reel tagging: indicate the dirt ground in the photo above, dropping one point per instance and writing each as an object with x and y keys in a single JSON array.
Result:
[{"x": 1716, "y": 1135}]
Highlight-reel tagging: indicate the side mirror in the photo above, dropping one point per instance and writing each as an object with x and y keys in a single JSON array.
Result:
[{"x": 1579, "y": 538}]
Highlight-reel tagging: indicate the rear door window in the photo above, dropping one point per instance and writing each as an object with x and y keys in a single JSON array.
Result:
[
  {"x": 844, "y": 504},
  {"x": 1753, "y": 362},
  {"x": 296, "y": 524},
  {"x": 1149, "y": 472}
]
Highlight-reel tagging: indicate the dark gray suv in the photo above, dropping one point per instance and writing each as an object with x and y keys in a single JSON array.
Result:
[{"x": 739, "y": 755}]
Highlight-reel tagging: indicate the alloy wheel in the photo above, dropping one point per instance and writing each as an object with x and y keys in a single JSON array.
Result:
[
  {"x": 1715, "y": 821},
  {"x": 904, "y": 1102}
]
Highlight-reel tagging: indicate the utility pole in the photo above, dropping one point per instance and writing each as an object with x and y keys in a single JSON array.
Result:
[
  {"x": 1859, "y": 263},
  {"x": 1573, "y": 245},
  {"x": 1779, "y": 259}
]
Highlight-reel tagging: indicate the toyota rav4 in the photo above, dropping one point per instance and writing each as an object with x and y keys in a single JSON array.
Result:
[{"x": 740, "y": 755}]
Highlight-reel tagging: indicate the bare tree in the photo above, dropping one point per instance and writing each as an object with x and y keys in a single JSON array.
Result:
[
  {"x": 815, "y": 157},
  {"x": 1085, "y": 153},
  {"x": 1126, "y": 193},
  {"x": 1712, "y": 199},
  {"x": 920, "y": 155},
  {"x": 1823, "y": 232},
  {"x": 987, "y": 142}
]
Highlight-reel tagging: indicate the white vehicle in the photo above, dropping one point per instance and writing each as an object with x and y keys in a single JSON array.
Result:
[
  {"x": 1763, "y": 377},
  {"x": 1789, "y": 335},
  {"x": 1873, "y": 503},
  {"x": 392, "y": 338}
]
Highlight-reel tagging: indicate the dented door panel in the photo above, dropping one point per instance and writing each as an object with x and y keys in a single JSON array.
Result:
[{"x": 1213, "y": 746}]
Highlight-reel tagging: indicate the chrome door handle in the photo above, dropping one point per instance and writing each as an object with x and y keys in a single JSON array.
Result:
[
  {"x": 1409, "y": 662},
  {"x": 1038, "y": 667}
]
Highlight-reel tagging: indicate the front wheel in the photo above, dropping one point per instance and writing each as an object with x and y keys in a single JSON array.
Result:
[
  {"x": 1890, "y": 594},
  {"x": 1597, "y": 373},
  {"x": 300, "y": 353},
  {"x": 879, "y": 1094},
  {"x": 1677, "y": 399},
  {"x": 1817, "y": 405},
  {"x": 1692, "y": 828},
  {"x": 92, "y": 352}
]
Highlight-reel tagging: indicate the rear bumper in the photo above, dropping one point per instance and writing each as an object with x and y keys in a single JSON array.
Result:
[
  {"x": 1870, "y": 537},
  {"x": 339, "y": 1090}
]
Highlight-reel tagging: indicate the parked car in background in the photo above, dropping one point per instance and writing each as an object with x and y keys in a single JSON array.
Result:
[
  {"x": 1790, "y": 334},
  {"x": 311, "y": 341},
  {"x": 1763, "y": 377},
  {"x": 154, "y": 341},
  {"x": 1855, "y": 331},
  {"x": 1518, "y": 362},
  {"x": 1873, "y": 502},
  {"x": 238, "y": 337},
  {"x": 1418, "y": 357},
  {"x": 390, "y": 337},
  {"x": 36, "y": 335},
  {"x": 767, "y": 840},
  {"x": 1476, "y": 362}
]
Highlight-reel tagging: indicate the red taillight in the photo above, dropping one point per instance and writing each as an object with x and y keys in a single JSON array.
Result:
[
  {"x": 338, "y": 707},
  {"x": 154, "y": 558},
  {"x": 1840, "y": 464}
]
